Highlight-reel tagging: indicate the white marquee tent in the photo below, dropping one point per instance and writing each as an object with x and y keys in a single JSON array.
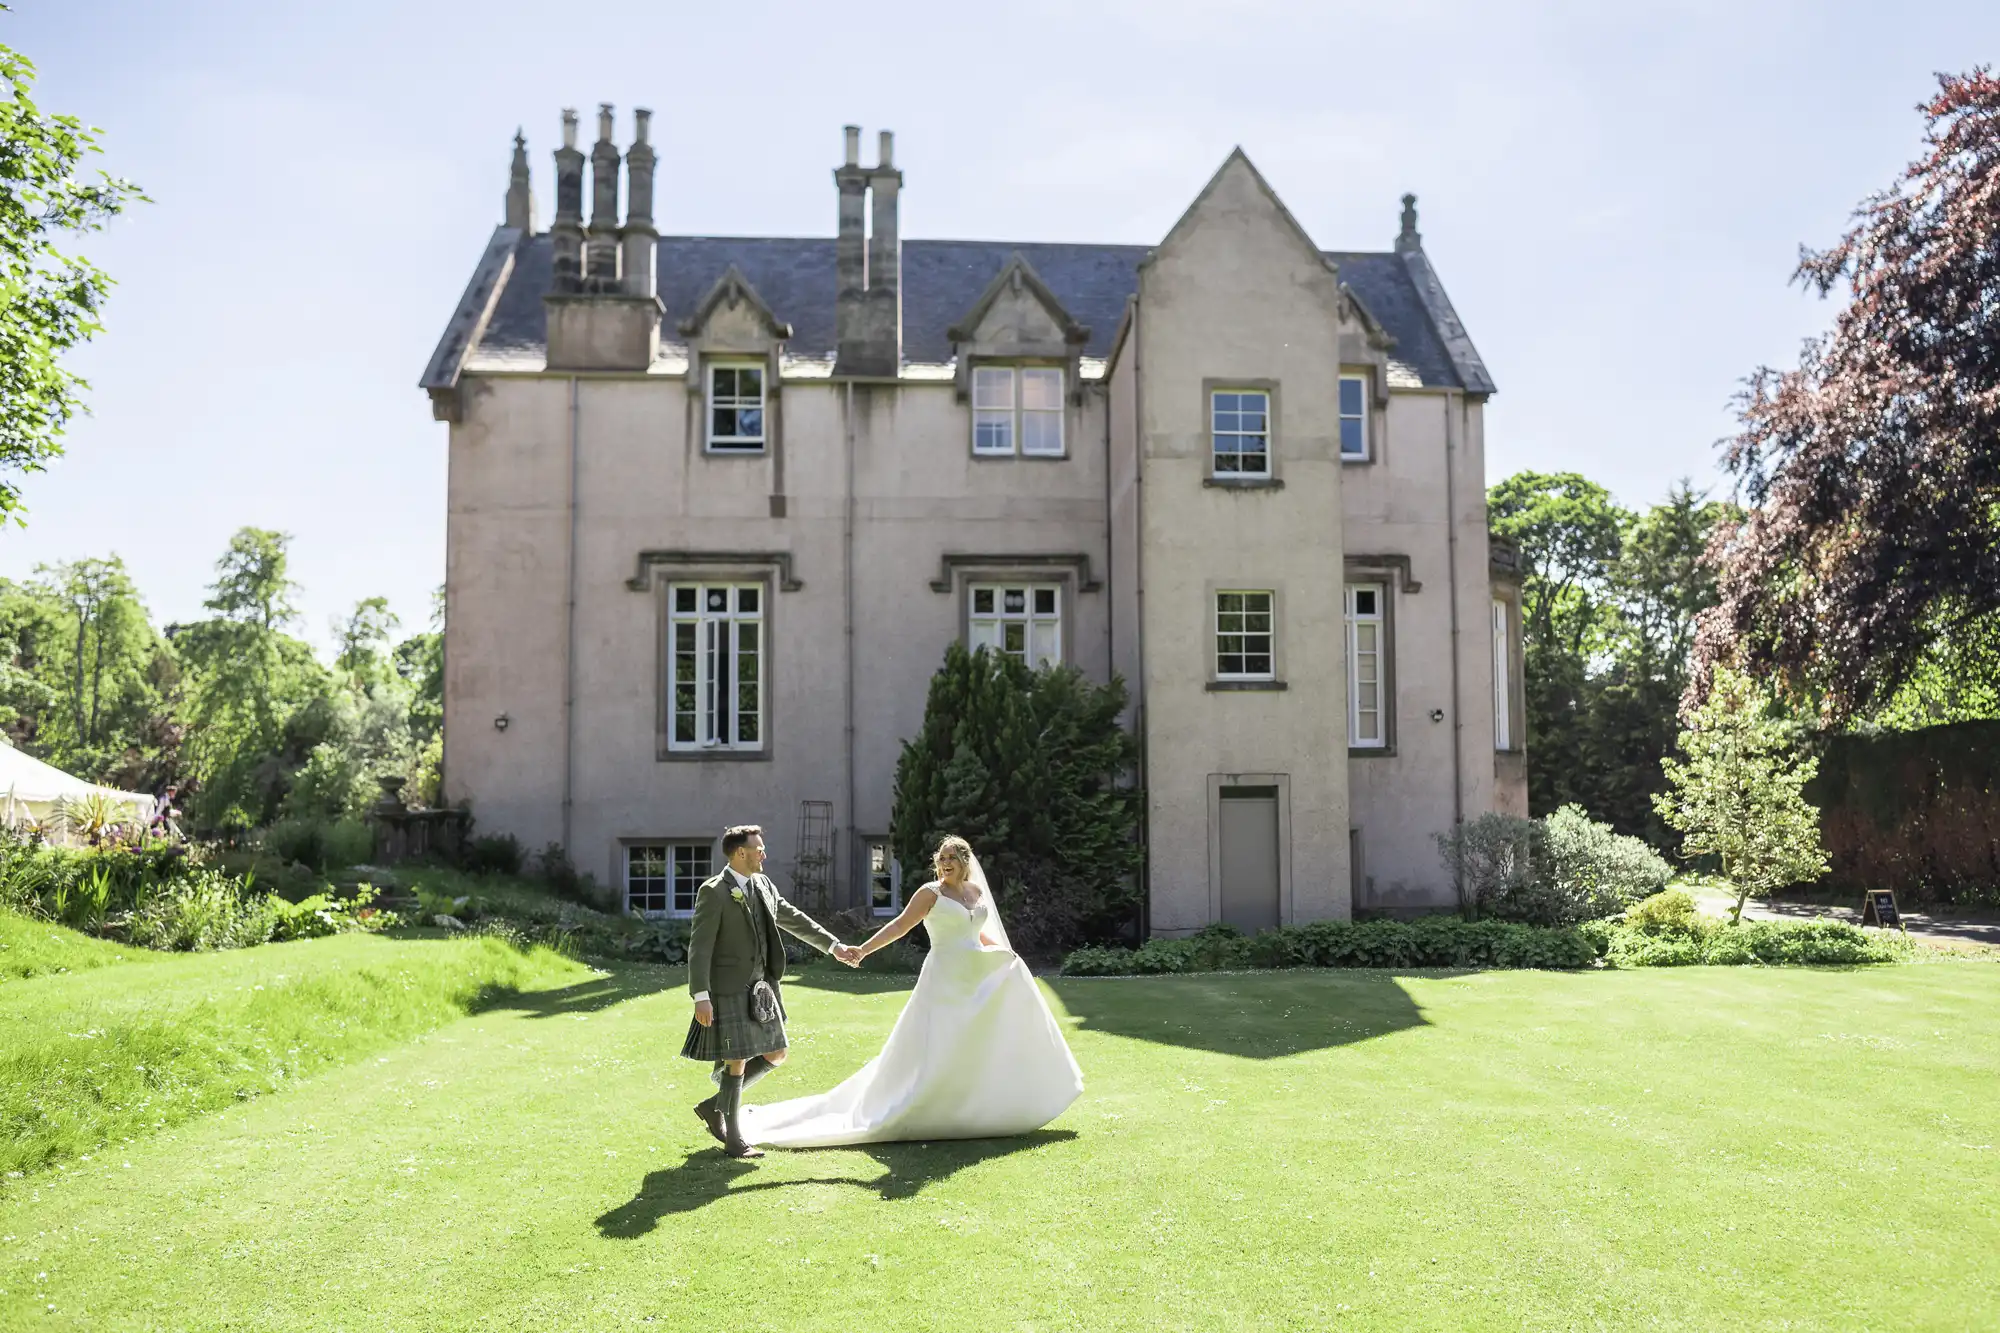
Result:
[{"x": 32, "y": 790}]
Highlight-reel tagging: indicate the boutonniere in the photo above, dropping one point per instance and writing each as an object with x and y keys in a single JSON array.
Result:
[{"x": 737, "y": 894}]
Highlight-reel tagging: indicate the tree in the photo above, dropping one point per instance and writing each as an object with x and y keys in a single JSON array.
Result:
[
  {"x": 1737, "y": 797},
  {"x": 49, "y": 301},
  {"x": 100, "y": 656},
  {"x": 249, "y": 683},
  {"x": 362, "y": 638},
  {"x": 1873, "y": 468},
  {"x": 1034, "y": 768},
  {"x": 1570, "y": 533},
  {"x": 1656, "y": 589}
]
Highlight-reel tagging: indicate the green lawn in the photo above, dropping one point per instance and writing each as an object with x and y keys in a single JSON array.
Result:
[
  {"x": 1739, "y": 1148},
  {"x": 30, "y": 948}
]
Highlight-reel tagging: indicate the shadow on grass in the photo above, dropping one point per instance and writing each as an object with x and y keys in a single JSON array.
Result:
[
  {"x": 1258, "y": 1016},
  {"x": 584, "y": 997},
  {"x": 708, "y": 1176}
]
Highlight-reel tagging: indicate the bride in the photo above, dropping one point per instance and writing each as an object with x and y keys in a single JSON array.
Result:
[{"x": 974, "y": 1054}]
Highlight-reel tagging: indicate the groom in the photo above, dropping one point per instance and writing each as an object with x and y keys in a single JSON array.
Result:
[{"x": 735, "y": 960}]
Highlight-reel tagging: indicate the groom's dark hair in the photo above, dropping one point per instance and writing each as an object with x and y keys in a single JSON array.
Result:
[{"x": 737, "y": 836}]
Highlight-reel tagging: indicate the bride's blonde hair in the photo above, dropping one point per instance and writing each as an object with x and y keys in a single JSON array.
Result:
[{"x": 953, "y": 848}]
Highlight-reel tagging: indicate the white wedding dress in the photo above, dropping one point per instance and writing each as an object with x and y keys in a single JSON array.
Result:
[{"x": 975, "y": 1053}]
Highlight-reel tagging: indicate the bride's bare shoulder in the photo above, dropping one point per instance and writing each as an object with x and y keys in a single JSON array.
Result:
[{"x": 930, "y": 888}]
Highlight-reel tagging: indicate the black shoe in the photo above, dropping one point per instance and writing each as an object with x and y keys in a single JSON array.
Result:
[
  {"x": 730, "y": 1100},
  {"x": 711, "y": 1115}
]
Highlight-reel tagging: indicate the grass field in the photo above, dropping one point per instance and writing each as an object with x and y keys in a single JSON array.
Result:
[{"x": 1740, "y": 1148}]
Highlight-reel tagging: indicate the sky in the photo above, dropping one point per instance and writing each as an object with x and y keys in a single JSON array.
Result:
[{"x": 1614, "y": 196}]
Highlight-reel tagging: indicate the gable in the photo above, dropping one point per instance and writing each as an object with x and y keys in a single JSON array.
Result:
[
  {"x": 1017, "y": 312},
  {"x": 1238, "y": 208},
  {"x": 732, "y": 317}
]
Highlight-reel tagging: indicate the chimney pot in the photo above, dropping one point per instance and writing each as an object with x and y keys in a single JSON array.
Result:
[
  {"x": 853, "y": 133},
  {"x": 569, "y": 127},
  {"x": 642, "y": 121},
  {"x": 886, "y": 152},
  {"x": 604, "y": 122}
]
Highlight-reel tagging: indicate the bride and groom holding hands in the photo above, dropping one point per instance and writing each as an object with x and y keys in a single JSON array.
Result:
[{"x": 974, "y": 1054}]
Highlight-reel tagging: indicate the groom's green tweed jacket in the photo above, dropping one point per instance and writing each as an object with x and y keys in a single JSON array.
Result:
[{"x": 722, "y": 952}]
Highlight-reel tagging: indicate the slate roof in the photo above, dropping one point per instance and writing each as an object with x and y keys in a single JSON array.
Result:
[{"x": 941, "y": 282}]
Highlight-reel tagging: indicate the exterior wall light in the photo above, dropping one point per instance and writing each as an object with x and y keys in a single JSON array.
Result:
[
  {"x": 1437, "y": 715},
  {"x": 500, "y": 722}
]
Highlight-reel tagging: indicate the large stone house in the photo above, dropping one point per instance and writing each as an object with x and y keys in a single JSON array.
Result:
[{"x": 717, "y": 506}]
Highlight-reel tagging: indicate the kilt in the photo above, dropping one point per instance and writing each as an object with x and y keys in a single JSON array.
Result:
[{"x": 735, "y": 1035}]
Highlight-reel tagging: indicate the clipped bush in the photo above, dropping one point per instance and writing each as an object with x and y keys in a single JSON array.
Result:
[
  {"x": 1670, "y": 913},
  {"x": 1594, "y": 871}
]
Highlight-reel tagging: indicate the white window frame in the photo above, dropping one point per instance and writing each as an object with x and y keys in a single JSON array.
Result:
[
  {"x": 891, "y": 870},
  {"x": 1360, "y": 418},
  {"x": 1038, "y": 629},
  {"x": 708, "y": 642},
  {"x": 676, "y": 890},
  {"x": 715, "y": 401},
  {"x": 1367, "y": 639},
  {"x": 1503, "y": 685},
  {"x": 1216, "y": 435},
  {"x": 1000, "y": 406},
  {"x": 1224, "y": 632}
]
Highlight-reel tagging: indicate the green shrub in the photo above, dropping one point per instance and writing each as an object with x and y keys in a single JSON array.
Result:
[
  {"x": 562, "y": 876},
  {"x": 212, "y": 910},
  {"x": 1597, "y": 872},
  {"x": 1633, "y": 948},
  {"x": 320, "y": 844},
  {"x": 492, "y": 854},
  {"x": 1427, "y": 942},
  {"x": 1036, "y": 769},
  {"x": 1491, "y": 860},
  {"x": 1670, "y": 913}
]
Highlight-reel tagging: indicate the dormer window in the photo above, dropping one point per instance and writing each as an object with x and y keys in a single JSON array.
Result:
[
  {"x": 1017, "y": 409},
  {"x": 735, "y": 407}
]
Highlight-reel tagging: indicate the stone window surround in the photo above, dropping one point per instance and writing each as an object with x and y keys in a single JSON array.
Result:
[
  {"x": 1283, "y": 782},
  {"x": 1220, "y": 684},
  {"x": 1517, "y": 729},
  {"x": 1373, "y": 416},
  {"x": 621, "y": 873},
  {"x": 717, "y": 361},
  {"x": 1272, "y": 478},
  {"x": 1069, "y": 573},
  {"x": 762, "y": 582},
  {"x": 658, "y": 571},
  {"x": 1071, "y": 396},
  {"x": 1385, "y": 701},
  {"x": 1391, "y": 573},
  {"x": 1058, "y": 582},
  {"x": 701, "y": 365}
]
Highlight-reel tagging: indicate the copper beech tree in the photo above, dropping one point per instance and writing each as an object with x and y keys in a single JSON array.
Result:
[{"x": 1872, "y": 471}]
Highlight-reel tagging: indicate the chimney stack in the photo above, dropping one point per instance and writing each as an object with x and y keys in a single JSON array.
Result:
[
  {"x": 869, "y": 313},
  {"x": 638, "y": 241},
  {"x": 567, "y": 231},
  {"x": 1408, "y": 240},
  {"x": 520, "y": 195},
  {"x": 601, "y": 251},
  {"x": 850, "y": 257}
]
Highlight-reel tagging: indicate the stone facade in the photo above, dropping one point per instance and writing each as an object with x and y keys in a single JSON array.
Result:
[{"x": 717, "y": 506}]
